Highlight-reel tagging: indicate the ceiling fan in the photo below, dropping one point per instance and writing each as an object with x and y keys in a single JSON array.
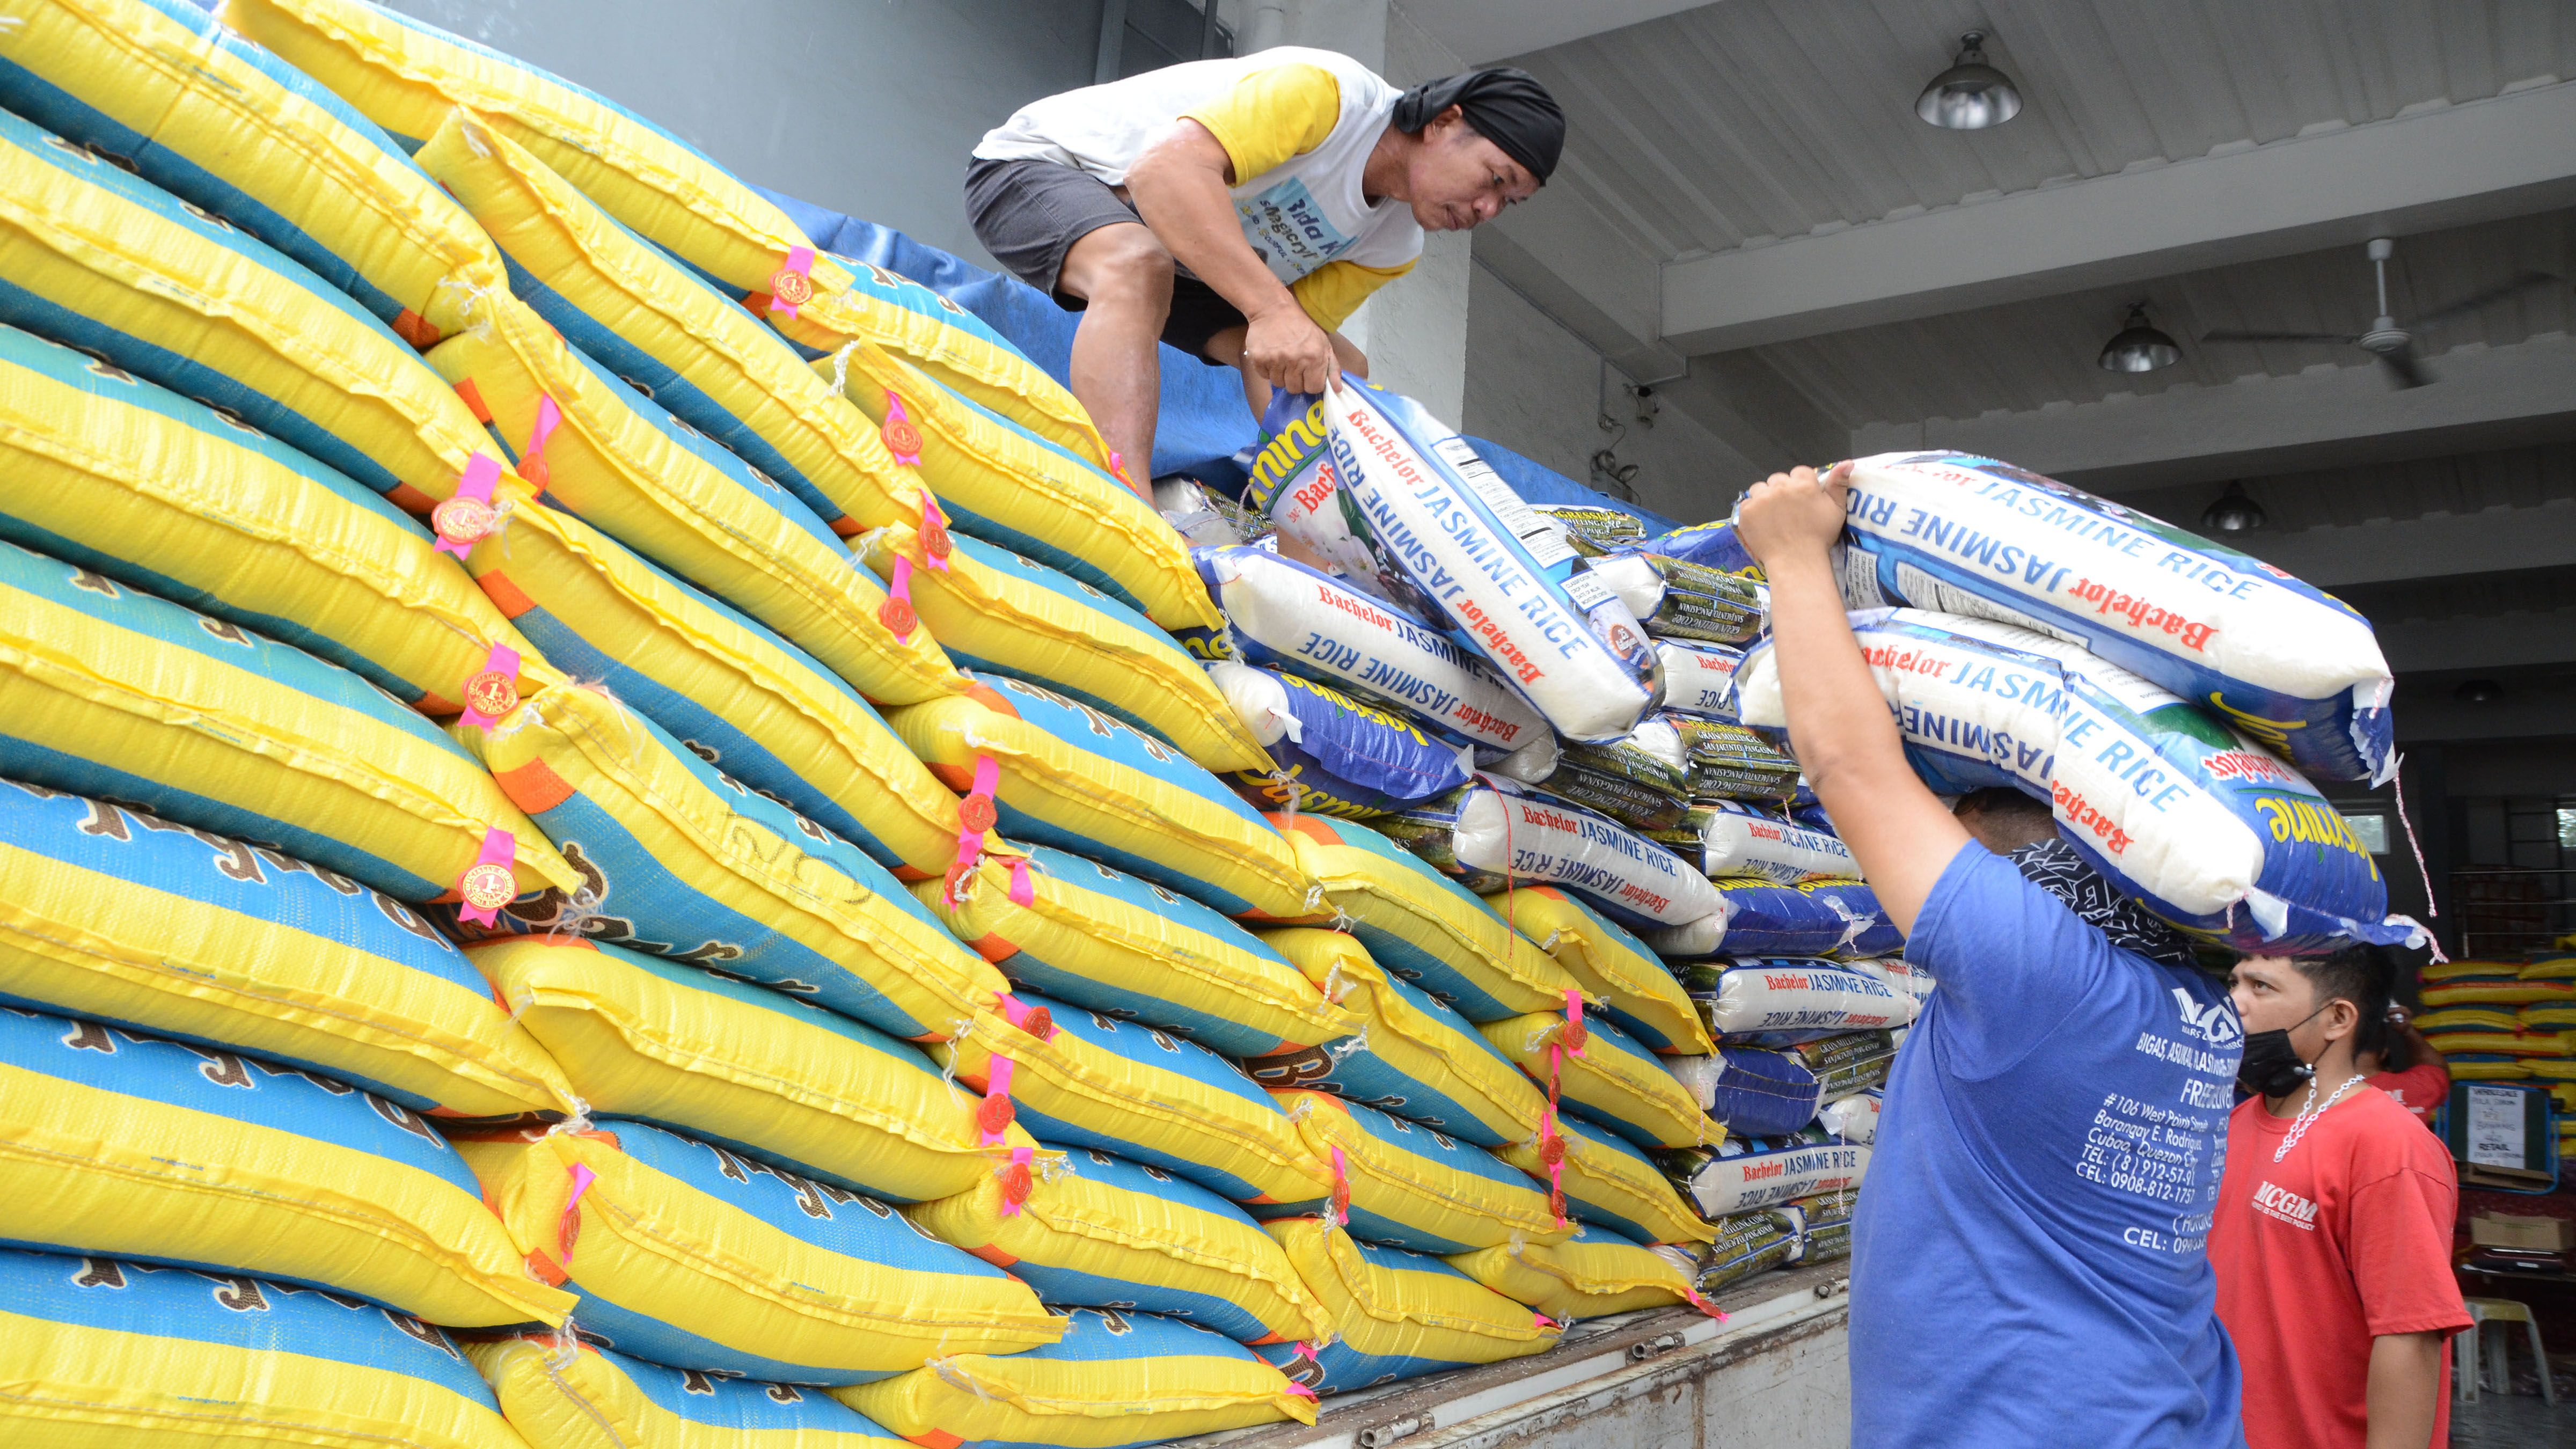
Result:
[{"x": 2392, "y": 345}]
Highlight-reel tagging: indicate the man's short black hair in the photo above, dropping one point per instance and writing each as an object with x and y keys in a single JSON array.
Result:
[
  {"x": 2362, "y": 975},
  {"x": 2002, "y": 818}
]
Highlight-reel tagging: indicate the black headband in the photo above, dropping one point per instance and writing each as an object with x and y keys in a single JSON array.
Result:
[{"x": 1507, "y": 107}]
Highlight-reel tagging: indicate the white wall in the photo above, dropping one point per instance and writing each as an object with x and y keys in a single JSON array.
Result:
[
  {"x": 1414, "y": 330},
  {"x": 862, "y": 106}
]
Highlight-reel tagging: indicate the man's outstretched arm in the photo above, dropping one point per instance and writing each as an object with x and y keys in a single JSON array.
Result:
[{"x": 1839, "y": 724}]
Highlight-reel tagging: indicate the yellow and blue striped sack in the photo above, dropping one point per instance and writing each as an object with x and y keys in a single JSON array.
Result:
[
  {"x": 998, "y": 613},
  {"x": 1412, "y": 1055},
  {"x": 1396, "y": 1314},
  {"x": 1100, "y": 1229},
  {"x": 113, "y": 915},
  {"x": 644, "y": 317},
  {"x": 1631, "y": 982},
  {"x": 743, "y": 1066},
  {"x": 115, "y": 266},
  {"x": 1609, "y": 1182},
  {"x": 694, "y": 1256},
  {"x": 1425, "y": 928},
  {"x": 133, "y": 1147},
  {"x": 161, "y": 87},
  {"x": 682, "y": 861},
  {"x": 2541, "y": 1017},
  {"x": 2505, "y": 989},
  {"x": 2487, "y": 1069},
  {"x": 763, "y": 711},
  {"x": 104, "y": 470},
  {"x": 1592, "y": 1274},
  {"x": 1105, "y": 941},
  {"x": 1411, "y": 1186},
  {"x": 1606, "y": 1075},
  {"x": 1116, "y": 1379},
  {"x": 1004, "y": 484},
  {"x": 625, "y": 466},
  {"x": 2433, "y": 971},
  {"x": 1080, "y": 1079},
  {"x": 561, "y": 1391},
  {"x": 2473, "y": 1018},
  {"x": 115, "y": 694},
  {"x": 1065, "y": 775},
  {"x": 103, "y": 1354},
  {"x": 2552, "y": 968}
]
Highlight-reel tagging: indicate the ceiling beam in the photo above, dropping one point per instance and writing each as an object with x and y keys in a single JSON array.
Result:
[
  {"x": 1484, "y": 30},
  {"x": 2507, "y": 155},
  {"x": 2521, "y": 714},
  {"x": 2486, "y": 397},
  {"x": 2495, "y": 641},
  {"x": 2436, "y": 545}
]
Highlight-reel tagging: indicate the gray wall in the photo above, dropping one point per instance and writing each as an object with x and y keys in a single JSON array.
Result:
[{"x": 863, "y": 106}]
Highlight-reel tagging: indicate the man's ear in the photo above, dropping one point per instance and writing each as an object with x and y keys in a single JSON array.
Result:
[{"x": 2342, "y": 1019}]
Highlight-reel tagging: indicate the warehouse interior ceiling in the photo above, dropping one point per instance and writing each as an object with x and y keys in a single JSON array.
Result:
[{"x": 1750, "y": 217}]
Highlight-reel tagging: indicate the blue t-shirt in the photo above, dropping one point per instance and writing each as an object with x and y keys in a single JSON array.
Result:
[{"x": 2028, "y": 1263}]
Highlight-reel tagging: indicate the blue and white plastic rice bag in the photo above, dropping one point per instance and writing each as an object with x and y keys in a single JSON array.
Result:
[
  {"x": 1756, "y": 917},
  {"x": 1699, "y": 678},
  {"x": 1336, "y": 755},
  {"x": 1492, "y": 840}
]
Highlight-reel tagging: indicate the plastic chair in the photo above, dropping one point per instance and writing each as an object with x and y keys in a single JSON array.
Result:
[{"x": 2466, "y": 1355}]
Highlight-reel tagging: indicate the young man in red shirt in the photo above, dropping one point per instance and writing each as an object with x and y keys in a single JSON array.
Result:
[
  {"x": 2424, "y": 1084},
  {"x": 2332, "y": 1238}
]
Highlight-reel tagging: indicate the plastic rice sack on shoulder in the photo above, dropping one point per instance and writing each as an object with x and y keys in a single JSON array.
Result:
[
  {"x": 1735, "y": 839},
  {"x": 1854, "y": 1118},
  {"x": 113, "y": 915},
  {"x": 1100, "y": 1229},
  {"x": 1078, "y": 932},
  {"x": 1413, "y": 1056},
  {"x": 1117, "y": 1378},
  {"x": 1396, "y": 1314},
  {"x": 2284, "y": 664},
  {"x": 1637, "y": 990},
  {"x": 1593, "y": 1273},
  {"x": 1677, "y": 599},
  {"x": 1604, "y": 1075},
  {"x": 1491, "y": 840},
  {"x": 1282, "y": 615},
  {"x": 237, "y": 131},
  {"x": 998, "y": 613},
  {"x": 1699, "y": 678},
  {"x": 1293, "y": 484},
  {"x": 1609, "y": 1181},
  {"x": 1421, "y": 926},
  {"x": 1754, "y": 1172},
  {"x": 132, "y": 1146},
  {"x": 682, "y": 861},
  {"x": 1057, "y": 772},
  {"x": 1767, "y": 1000},
  {"x": 1642, "y": 780},
  {"x": 1333, "y": 755},
  {"x": 2193, "y": 819},
  {"x": 101, "y": 1352},
  {"x": 1747, "y": 1243},
  {"x": 575, "y": 1391},
  {"x": 1505, "y": 583},
  {"x": 1709, "y": 545},
  {"x": 1412, "y": 1186},
  {"x": 700, "y": 1258},
  {"x": 1759, "y": 917}
]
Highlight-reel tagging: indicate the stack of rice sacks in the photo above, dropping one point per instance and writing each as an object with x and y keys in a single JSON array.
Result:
[{"x": 2508, "y": 1021}]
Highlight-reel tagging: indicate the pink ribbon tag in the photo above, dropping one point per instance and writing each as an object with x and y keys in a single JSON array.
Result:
[
  {"x": 487, "y": 885},
  {"x": 1341, "y": 1202},
  {"x": 569, "y": 1233},
  {"x": 463, "y": 520},
  {"x": 1311, "y": 1354},
  {"x": 975, "y": 815},
  {"x": 1037, "y": 1021},
  {"x": 995, "y": 1113},
  {"x": 902, "y": 436},
  {"x": 1118, "y": 465},
  {"x": 1023, "y": 891},
  {"x": 532, "y": 463},
  {"x": 792, "y": 285},
  {"x": 1575, "y": 1036},
  {"x": 1021, "y": 1158},
  {"x": 897, "y": 612},
  {"x": 1541, "y": 1320},
  {"x": 493, "y": 690},
  {"x": 1691, "y": 1297},
  {"x": 935, "y": 543}
]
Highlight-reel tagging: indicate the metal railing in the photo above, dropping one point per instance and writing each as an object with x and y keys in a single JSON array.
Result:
[{"x": 2508, "y": 911}]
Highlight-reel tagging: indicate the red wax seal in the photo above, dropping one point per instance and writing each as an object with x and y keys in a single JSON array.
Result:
[
  {"x": 956, "y": 874},
  {"x": 462, "y": 520},
  {"x": 993, "y": 1114},
  {"x": 492, "y": 693},
  {"x": 975, "y": 814},
  {"x": 1576, "y": 1036},
  {"x": 1341, "y": 1199},
  {"x": 486, "y": 886},
  {"x": 532, "y": 468},
  {"x": 1552, "y": 1151},
  {"x": 791, "y": 289},
  {"x": 935, "y": 539},
  {"x": 1556, "y": 1202},
  {"x": 898, "y": 617},
  {"x": 1016, "y": 1183},
  {"x": 1038, "y": 1023},
  {"x": 901, "y": 437}
]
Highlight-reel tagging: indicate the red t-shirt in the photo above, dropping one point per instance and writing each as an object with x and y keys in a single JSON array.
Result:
[
  {"x": 2347, "y": 1238},
  {"x": 2420, "y": 1090}
]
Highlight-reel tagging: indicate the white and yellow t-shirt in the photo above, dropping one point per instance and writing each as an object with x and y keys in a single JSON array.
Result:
[{"x": 1298, "y": 125}]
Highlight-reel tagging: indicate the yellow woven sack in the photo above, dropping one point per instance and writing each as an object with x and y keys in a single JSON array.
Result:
[
  {"x": 131, "y": 1146},
  {"x": 1427, "y": 929},
  {"x": 407, "y": 77},
  {"x": 2456, "y": 1018},
  {"x": 2556, "y": 968},
  {"x": 681, "y": 861},
  {"x": 102, "y": 469},
  {"x": 2490, "y": 1071},
  {"x": 2497, "y": 991},
  {"x": 163, "y": 88},
  {"x": 102, "y": 1354},
  {"x": 1629, "y": 979},
  {"x": 2545, "y": 1069},
  {"x": 1073, "y": 778},
  {"x": 2453, "y": 970},
  {"x": 1594, "y": 1273},
  {"x": 1404, "y": 1184},
  {"x": 114, "y": 265},
  {"x": 2540, "y": 1017},
  {"x": 1095, "y": 938},
  {"x": 1413, "y": 1055},
  {"x": 114, "y": 915},
  {"x": 700, "y": 1258},
  {"x": 745, "y": 700},
  {"x": 2513, "y": 1043},
  {"x": 1611, "y": 1183},
  {"x": 1396, "y": 1314},
  {"x": 744, "y": 1066},
  {"x": 1005, "y": 484},
  {"x": 563, "y": 1393},
  {"x": 998, "y": 613},
  {"x": 1080, "y": 1079},
  {"x": 1605, "y": 1074},
  {"x": 1102, "y": 1229},
  {"x": 115, "y": 694}
]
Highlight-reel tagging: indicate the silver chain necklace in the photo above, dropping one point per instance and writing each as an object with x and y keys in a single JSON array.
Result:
[{"x": 2309, "y": 1112}]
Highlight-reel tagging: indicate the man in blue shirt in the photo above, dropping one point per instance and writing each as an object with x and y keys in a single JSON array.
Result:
[{"x": 2028, "y": 1259}]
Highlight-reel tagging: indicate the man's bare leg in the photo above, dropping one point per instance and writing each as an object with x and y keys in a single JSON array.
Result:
[{"x": 1124, "y": 277}]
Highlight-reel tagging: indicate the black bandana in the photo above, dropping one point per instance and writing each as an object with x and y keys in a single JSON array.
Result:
[
  {"x": 1507, "y": 107},
  {"x": 2053, "y": 866}
]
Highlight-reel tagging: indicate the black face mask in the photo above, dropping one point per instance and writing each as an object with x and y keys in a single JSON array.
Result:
[{"x": 2272, "y": 1067}]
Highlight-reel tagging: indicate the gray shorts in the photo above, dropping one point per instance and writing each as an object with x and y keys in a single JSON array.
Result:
[{"x": 1029, "y": 213}]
